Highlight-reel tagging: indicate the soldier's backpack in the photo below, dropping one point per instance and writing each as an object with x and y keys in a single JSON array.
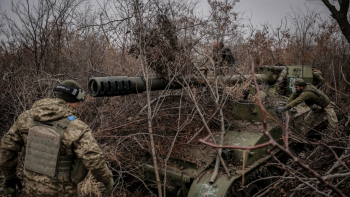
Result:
[
  {"x": 323, "y": 99},
  {"x": 43, "y": 151}
]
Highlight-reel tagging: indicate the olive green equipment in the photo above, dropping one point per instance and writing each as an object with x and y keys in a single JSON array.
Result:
[
  {"x": 10, "y": 183},
  {"x": 43, "y": 152},
  {"x": 190, "y": 174},
  {"x": 78, "y": 172},
  {"x": 322, "y": 100}
]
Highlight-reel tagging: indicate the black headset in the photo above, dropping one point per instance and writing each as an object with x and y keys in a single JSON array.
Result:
[{"x": 77, "y": 92}]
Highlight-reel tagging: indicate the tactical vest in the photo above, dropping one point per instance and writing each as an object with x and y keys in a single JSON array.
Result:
[
  {"x": 43, "y": 152},
  {"x": 322, "y": 100}
]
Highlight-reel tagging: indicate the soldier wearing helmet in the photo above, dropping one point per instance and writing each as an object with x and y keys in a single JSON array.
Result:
[
  {"x": 60, "y": 148},
  {"x": 314, "y": 98},
  {"x": 222, "y": 55}
]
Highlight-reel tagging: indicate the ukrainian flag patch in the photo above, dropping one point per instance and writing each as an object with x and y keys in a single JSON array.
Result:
[{"x": 71, "y": 118}]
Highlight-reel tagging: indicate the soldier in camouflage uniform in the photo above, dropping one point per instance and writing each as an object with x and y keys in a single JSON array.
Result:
[
  {"x": 314, "y": 98},
  {"x": 77, "y": 143},
  {"x": 222, "y": 55},
  {"x": 318, "y": 80}
]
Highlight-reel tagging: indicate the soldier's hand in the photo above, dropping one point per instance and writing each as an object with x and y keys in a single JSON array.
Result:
[
  {"x": 108, "y": 187},
  {"x": 10, "y": 182},
  {"x": 315, "y": 108},
  {"x": 281, "y": 109}
]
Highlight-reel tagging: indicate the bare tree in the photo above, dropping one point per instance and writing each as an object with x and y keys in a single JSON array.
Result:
[
  {"x": 305, "y": 29},
  {"x": 37, "y": 27},
  {"x": 341, "y": 15}
]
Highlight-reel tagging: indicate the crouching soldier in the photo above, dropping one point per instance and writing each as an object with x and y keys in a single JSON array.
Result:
[
  {"x": 311, "y": 96},
  {"x": 60, "y": 148}
]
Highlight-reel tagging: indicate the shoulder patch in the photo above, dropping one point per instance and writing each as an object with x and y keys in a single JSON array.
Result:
[{"x": 71, "y": 118}]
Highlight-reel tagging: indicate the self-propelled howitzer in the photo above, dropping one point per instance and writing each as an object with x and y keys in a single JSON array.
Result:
[
  {"x": 123, "y": 85},
  {"x": 187, "y": 177}
]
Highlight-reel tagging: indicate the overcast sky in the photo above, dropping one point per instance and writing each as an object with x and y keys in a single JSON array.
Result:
[
  {"x": 260, "y": 11},
  {"x": 272, "y": 11}
]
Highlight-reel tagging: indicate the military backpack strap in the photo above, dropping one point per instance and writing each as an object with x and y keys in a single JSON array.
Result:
[
  {"x": 64, "y": 123},
  {"x": 64, "y": 162},
  {"x": 73, "y": 167}
]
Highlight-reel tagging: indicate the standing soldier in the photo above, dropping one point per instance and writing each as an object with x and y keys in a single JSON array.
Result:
[
  {"x": 318, "y": 80},
  {"x": 60, "y": 148},
  {"x": 222, "y": 55},
  {"x": 311, "y": 96}
]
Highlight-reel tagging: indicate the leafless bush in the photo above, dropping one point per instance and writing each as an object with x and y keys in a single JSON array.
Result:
[{"x": 169, "y": 40}]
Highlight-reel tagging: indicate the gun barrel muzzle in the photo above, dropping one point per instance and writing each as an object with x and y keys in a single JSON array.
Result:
[
  {"x": 122, "y": 85},
  {"x": 115, "y": 86}
]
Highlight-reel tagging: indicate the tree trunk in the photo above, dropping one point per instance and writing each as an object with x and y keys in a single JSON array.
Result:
[{"x": 340, "y": 16}]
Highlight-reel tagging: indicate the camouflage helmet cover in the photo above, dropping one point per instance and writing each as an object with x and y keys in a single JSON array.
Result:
[{"x": 299, "y": 82}]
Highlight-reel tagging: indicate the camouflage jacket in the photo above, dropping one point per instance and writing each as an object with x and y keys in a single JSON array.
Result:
[
  {"x": 318, "y": 80},
  {"x": 77, "y": 141},
  {"x": 310, "y": 95}
]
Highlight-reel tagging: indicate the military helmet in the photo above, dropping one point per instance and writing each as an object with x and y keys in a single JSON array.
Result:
[
  {"x": 70, "y": 91},
  {"x": 299, "y": 82}
]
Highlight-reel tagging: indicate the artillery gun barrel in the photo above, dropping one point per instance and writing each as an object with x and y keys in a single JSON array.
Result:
[
  {"x": 276, "y": 68},
  {"x": 123, "y": 85},
  {"x": 261, "y": 78}
]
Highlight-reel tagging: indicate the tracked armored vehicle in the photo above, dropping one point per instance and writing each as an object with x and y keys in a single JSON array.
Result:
[{"x": 190, "y": 175}]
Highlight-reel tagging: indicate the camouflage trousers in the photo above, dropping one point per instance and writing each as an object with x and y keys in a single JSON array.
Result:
[
  {"x": 38, "y": 185},
  {"x": 327, "y": 112}
]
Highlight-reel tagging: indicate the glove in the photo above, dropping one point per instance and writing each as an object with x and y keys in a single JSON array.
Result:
[
  {"x": 10, "y": 182},
  {"x": 315, "y": 108},
  {"x": 108, "y": 187},
  {"x": 281, "y": 109}
]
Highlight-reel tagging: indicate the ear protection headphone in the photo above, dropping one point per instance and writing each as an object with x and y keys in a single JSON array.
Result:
[{"x": 78, "y": 93}]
